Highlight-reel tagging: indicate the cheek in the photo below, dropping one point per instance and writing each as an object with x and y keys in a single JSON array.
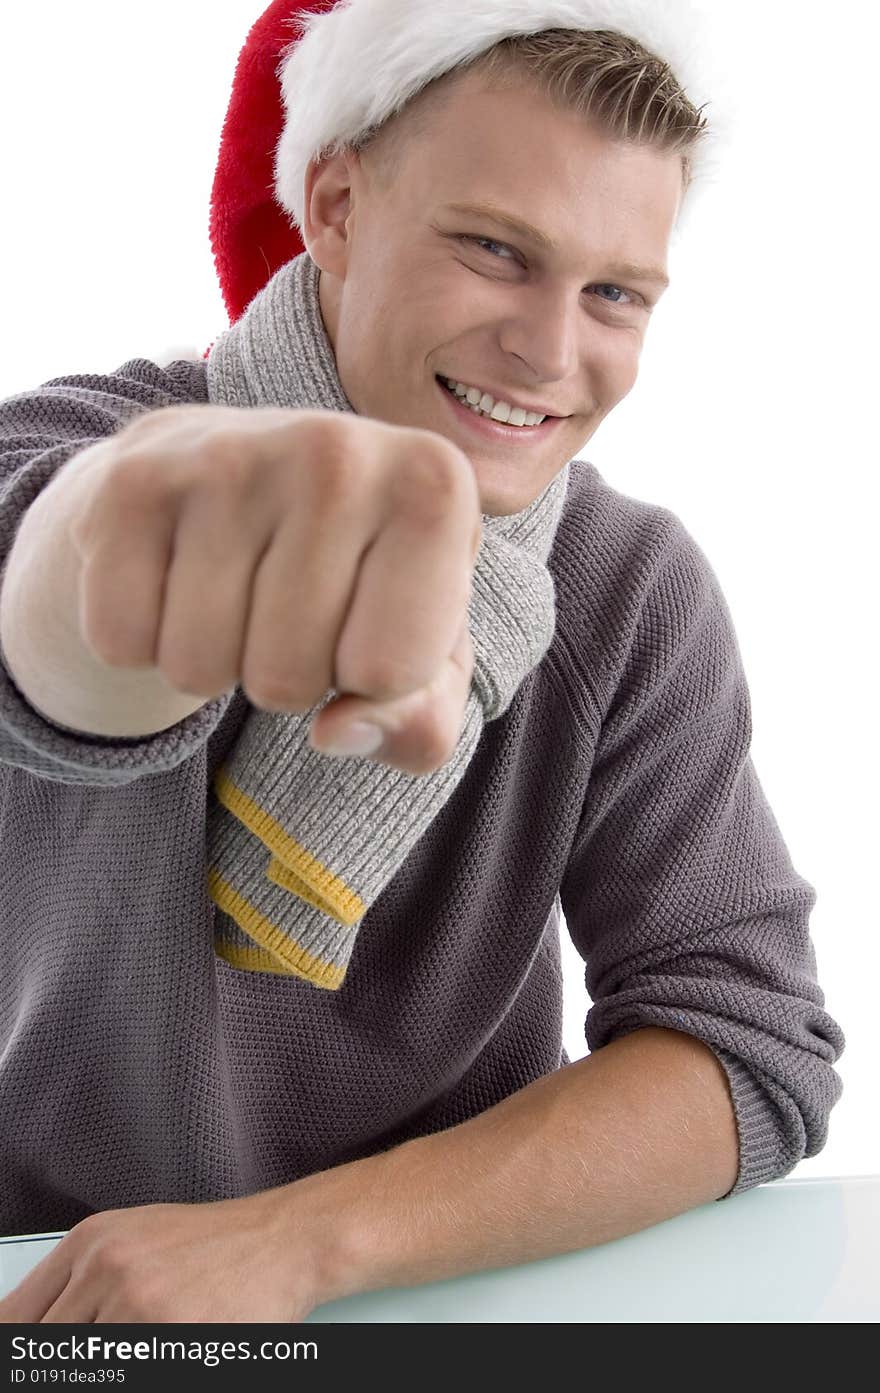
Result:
[{"x": 619, "y": 370}]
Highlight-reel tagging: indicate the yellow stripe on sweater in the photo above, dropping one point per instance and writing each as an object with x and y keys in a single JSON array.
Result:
[
  {"x": 328, "y": 892},
  {"x": 277, "y": 951}
]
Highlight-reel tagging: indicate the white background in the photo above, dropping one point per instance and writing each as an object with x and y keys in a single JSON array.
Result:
[{"x": 753, "y": 418}]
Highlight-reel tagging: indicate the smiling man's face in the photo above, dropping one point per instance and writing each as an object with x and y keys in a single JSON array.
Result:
[{"x": 499, "y": 251}]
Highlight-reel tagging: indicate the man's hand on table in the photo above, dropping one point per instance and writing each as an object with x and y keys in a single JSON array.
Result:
[{"x": 228, "y": 1261}]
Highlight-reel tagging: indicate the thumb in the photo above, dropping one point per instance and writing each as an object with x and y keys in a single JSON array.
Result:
[{"x": 417, "y": 733}]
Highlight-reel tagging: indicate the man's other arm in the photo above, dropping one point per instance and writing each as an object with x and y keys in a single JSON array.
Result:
[{"x": 635, "y": 1133}]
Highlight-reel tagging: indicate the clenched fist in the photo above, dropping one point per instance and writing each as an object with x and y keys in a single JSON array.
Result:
[{"x": 287, "y": 552}]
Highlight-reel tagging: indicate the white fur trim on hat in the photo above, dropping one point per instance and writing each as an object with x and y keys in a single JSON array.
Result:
[{"x": 361, "y": 62}]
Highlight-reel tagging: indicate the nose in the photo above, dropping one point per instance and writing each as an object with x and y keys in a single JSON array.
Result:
[{"x": 544, "y": 331}]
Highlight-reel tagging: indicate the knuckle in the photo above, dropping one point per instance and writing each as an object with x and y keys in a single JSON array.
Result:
[
  {"x": 224, "y": 458},
  {"x": 136, "y": 463},
  {"x": 164, "y": 453},
  {"x": 137, "y": 433},
  {"x": 334, "y": 473},
  {"x": 130, "y": 482},
  {"x": 427, "y": 490},
  {"x": 90, "y": 1225},
  {"x": 138, "y": 1302},
  {"x": 235, "y": 451},
  {"x": 111, "y": 497},
  {"x": 85, "y": 1232},
  {"x": 334, "y": 445},
  {"x": 117, "y": 1259},
  {"x": 456, "y": 473},
  {"x": 441, "y": 465},
  {"x": 435, "y": 489}
]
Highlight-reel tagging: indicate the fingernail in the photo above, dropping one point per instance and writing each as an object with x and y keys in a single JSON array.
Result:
[{"x": 360, "y": 738}]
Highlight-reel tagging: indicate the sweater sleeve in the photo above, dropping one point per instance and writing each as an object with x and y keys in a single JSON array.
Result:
[
  {"x": 40, "y": 430},
  {"x": 680, "y": 894}
]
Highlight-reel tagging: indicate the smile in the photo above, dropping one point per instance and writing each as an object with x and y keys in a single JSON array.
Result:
[
  {"x": 482, "y": 425},
  {"x": 484, "y": 404}
]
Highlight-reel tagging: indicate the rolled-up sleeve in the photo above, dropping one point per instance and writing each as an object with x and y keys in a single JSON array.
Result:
[{"x": 680, "y": 893}]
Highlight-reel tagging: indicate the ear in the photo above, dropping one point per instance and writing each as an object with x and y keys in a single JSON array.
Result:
[{"x": 329, "y": 210}]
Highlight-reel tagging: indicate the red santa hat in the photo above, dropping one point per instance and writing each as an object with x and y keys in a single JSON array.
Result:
[{"x": 315, "y": 75}]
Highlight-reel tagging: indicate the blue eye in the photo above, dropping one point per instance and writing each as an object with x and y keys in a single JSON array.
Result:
[
  {"x": 500, "y": 251},
  {"x": 613, "y": 287},
  {"x": 484, "y": 243}
]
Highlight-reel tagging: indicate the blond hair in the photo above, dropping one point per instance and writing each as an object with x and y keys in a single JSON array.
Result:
[{"x": 633, "y": 95}]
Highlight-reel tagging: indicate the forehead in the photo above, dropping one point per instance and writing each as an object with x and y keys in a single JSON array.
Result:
[{"x": 510, "y": 145}]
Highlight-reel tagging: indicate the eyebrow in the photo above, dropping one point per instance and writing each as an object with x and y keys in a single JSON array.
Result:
[{"x": 626, "y": 270}]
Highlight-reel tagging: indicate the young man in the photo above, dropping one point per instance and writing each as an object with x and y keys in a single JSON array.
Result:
[{"x": 280, "y": 1024}]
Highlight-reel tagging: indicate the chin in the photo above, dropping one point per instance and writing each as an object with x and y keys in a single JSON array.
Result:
[
  {"x": 498, "y": 501},
  {"x": 508, "y": 493}
]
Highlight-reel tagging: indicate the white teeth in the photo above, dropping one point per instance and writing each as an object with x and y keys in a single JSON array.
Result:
[{"x": 485, "y": 405}]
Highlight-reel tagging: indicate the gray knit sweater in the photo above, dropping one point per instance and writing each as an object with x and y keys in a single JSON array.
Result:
[{"x": 137, "y": 1066}]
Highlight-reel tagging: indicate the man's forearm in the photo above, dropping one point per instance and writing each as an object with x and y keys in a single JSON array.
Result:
[
  {"x": 42, "y": 646},
  {"x": 635, "y": 1133}
]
